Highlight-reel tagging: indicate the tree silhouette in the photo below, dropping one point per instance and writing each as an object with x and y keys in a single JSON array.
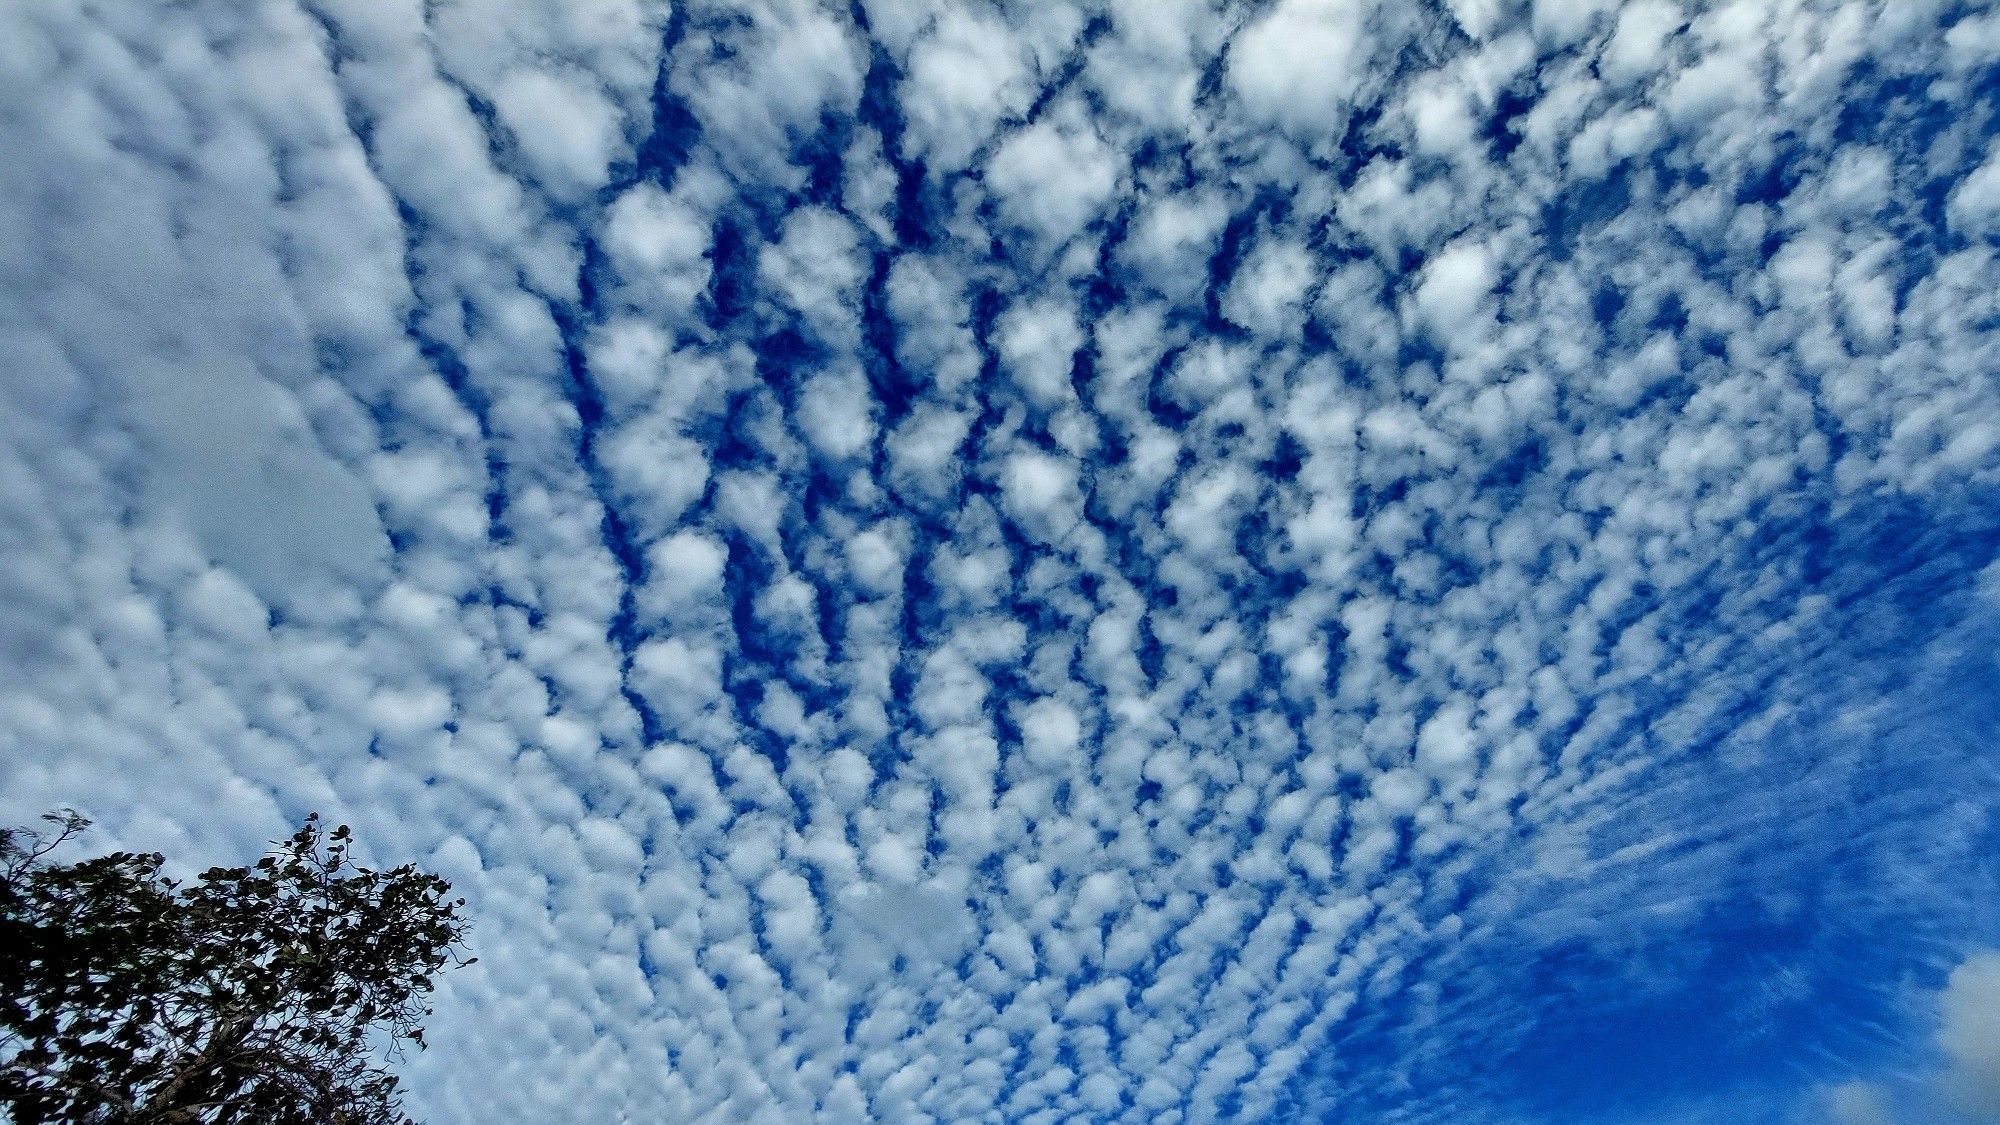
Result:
[{"x": 254, "y": 994}]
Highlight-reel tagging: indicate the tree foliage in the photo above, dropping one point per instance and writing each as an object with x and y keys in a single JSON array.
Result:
[{"x": 252, "y": 994}]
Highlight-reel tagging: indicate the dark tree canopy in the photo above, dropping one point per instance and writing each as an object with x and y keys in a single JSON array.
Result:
[{"x": 253, "y": 994}]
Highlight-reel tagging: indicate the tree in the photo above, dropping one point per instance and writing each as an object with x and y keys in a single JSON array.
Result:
[{"x": 255, "y": 994}]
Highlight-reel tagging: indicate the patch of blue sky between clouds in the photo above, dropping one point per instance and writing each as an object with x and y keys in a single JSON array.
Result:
[{"x": 1152, "y": 561}]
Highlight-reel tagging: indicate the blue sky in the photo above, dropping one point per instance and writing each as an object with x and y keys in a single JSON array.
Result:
[{"x": 1313, "y": 560}]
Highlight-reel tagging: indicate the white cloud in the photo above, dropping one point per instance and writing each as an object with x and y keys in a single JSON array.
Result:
[
  {"x": 1969, "y": 1035},
  {"x": 1031, "y": 696},
  {"x": 1173, "y": 237},
  {"x": 766, "y": 79},
  {"x": 1040, "y": 491},
  {"x": 1268, "y": 292},
  {"x": 1038, "y": 342},
  {"x": 1298, "y": 66},
  {"x": 837, "y": 414},
  {"x": 659, "y": 243},
  {"x": 684, "y": 576},
  {"x": 1454, "y": 290},
  {"x": 1638, "y": 41},
  {"x": 963, "y": 78},
  {"x": 1857, "y": 1103},
  {"x": 568, "y": 132},
  {"x": 1053, "y": 178},
  {"x": 1974, "y": 204}
]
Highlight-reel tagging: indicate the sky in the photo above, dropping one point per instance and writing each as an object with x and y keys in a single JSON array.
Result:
[{"x": 1146, "y": 560}]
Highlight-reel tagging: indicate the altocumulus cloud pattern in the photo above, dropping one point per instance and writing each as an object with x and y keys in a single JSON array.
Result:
[{"x": 1140, "y": 561}]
